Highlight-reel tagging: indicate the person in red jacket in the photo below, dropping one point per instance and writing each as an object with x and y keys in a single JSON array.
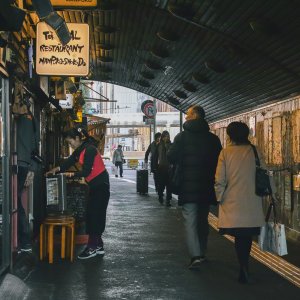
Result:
[{"x": 97, "y": 178}]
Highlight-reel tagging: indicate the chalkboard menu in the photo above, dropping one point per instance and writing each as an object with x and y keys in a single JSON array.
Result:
[{"x": 77, "y": 195}]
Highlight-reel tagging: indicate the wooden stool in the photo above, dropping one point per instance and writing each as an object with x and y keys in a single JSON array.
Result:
[{"x": 46, "y": 233}]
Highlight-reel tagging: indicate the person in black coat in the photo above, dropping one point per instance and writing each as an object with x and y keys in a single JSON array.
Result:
[
  {"x": 163, "y": 169},
  {"x": 152, "y": 149},
  {"x": 27, "y": 142},
  {"x": 196, "y": 150}
]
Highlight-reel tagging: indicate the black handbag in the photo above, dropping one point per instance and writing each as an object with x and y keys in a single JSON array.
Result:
[
  {"x": 176, "y": 172},
  {"x": 175, "y": 179},
  {"x": 262, "y": 179}
]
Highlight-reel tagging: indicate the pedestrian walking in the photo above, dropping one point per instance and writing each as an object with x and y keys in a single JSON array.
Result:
[
  {"x": 163, "y": 168},
  {"x": 196, "y": 150},
  {"x": 240, "y": 209},
  {"x": 118, "y": 160},
  {"x": 152, "y": 151}
]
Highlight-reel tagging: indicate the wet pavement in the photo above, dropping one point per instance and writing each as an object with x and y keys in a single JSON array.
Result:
[{"x": 146, "y": 258}]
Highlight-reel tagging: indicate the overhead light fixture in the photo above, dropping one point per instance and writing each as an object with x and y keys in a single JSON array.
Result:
[
  {"x": 180, "y": 94},
  {"x": 234, "y": 50},
  {"x": 47, "y": 14},
  {"x": 214, "y": 66},
  {"x": 200, "y": 78},
  {"x": 148, "y": 75},
  {"x": 153, "y": 65},
  {"x": 185, "y": 11},
  {"x": 168, "y": 36},
  {"x": 189, "y": 87},
  {"x": 160, "y": 52},
  {"x": 143, "y": 83},
  {"x": 173, "y": 100}
]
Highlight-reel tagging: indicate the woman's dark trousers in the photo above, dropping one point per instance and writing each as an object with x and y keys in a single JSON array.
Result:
[
  {"x": 96, "y": 210},
  {"x": 243, "y": 247},
  {"x": 23, "y": 226}
]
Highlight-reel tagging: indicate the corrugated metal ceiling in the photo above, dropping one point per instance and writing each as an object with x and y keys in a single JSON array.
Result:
[{"x": 227, "y": 55}]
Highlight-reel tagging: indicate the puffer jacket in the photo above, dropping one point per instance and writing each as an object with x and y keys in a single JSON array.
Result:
[{"x": 196, "y": 150}]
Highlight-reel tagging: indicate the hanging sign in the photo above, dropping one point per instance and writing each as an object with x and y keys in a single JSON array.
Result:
[
  {"x": 52, "y": 58},
  {"x": 67, "y": 103},
  {"x": 70, "y": 3},
  {"x": 148, "y": 109}
]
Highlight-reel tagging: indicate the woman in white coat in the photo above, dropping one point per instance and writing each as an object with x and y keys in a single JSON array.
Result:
[{"x": 240, "y": 210}]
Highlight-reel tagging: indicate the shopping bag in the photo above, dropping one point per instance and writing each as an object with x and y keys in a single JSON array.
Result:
[
  {"x": 272, "y": 235},
  {"x": 280, "y": 240},
  {"x": 272, "y": 238},
  {"x": 114, "y": 170},
  {"x": 266, "y": 239}
]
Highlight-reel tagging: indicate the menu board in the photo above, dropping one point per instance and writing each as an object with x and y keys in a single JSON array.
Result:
[
  {"x": 77, "y": 195},
  {"x": 52, "y": 191}
]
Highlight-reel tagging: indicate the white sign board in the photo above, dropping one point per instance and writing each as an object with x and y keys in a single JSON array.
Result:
[
  {"x": 52, "y": 58},
  {"x": 68, "y": 103},
  {"x": 149, "y": 121},
  {"x": 252, "y": 125}
]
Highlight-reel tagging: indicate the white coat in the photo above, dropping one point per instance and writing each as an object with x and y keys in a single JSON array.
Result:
[{"x": 235, "y": 188}]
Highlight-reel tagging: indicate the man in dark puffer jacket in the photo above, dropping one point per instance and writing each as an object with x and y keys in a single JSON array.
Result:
[{"x": 196, "y": 150}]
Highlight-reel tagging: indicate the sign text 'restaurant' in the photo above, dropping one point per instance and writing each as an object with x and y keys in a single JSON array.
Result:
[{"x": 52, "y": 58}]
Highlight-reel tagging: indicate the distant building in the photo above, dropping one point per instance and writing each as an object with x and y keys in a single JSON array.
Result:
[{"x": 126, "y": 123}]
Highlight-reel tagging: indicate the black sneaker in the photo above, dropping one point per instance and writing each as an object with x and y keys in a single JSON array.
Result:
[
  {"x": 87, "y": 253},
  {"x": 25, "y": 248},
  {"x": 116, "y": 176},
  {"x": 203, "y": 259},
  {"x": 100, "y": 250},
  {"x": 195, "y": 263},
  {"x": 161, "y": 199}
]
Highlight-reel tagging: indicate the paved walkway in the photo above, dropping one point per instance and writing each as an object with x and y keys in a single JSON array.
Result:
[{"x": 146, "y": 258}]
